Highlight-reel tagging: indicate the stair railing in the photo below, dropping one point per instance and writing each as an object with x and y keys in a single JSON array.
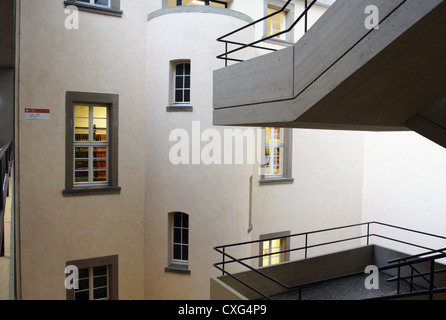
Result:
[{"x": 225, "y": 55}]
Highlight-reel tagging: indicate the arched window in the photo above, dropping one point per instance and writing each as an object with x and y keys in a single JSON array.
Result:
[{"x": 179, "y": 242}]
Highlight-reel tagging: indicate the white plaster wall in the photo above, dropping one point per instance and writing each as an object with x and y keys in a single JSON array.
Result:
[
  {"x": 216, "y": 196},
  {"x": 106, "y": 55},
  {"x": 326, "y": 192},
  {"x": 404, "y": 185}
]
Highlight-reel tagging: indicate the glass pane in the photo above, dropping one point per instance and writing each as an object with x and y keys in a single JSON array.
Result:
[
  {"x": 100, "y": 293},
  {"x": 178, "y": 96},
  {"x": 100, "y": 112},
  {"x": 100, "y": 281},
  {"x": 81, "y": 123},
  {"x": 102, "y": 2},
  {"x": 216, "y": 4},
  {"x": 100, "y": 129},
  {"x": 185, "y": 220},
  {"x": 99, "y": 271},
  {"x": 81, "y": 111},
  {"x": 177, "y": 235},
  {"x": 83, "y": 284},
  {"x": 100, "y": 164},
  {"x": 99, "y": 124},
  {"x": 185, "y": 236},
  {"x": 83, "y": 273},
  {"x": 179, "y": 82},
  {"x": 185, "y": 253},
  {"x": 100, "y": 176},
  {"x": 100, "y": 153},
  {"x": 177, "y": 219},
  {"x": 187, "y": 69},
  {"x": 81, "y": 176},
  {"x": 81, "y": 152},
  {"x": 187, "y": 82},
  {"x": 81, "y": 165},
  {"x": 186, "y": 95},
  {"x": 179, "y": 69},
  {"x": 177, "y": 252},
  {"x": 193, "y": 2}
]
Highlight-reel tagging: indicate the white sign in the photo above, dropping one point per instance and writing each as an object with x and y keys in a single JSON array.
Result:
[{"x": 37, "y": 114}]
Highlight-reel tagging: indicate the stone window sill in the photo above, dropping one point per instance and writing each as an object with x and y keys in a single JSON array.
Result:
[
  {"x": 272, "y": 181},
  {"x": 183, "y": 108},
  {"x": 93, "y": 191},
  {"x": 177, "y": 268}
]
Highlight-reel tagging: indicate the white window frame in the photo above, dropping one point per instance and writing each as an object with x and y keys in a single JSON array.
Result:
[
  {"x": 184, "y": 89},
  {"x": 181, "y": 244},
  {"x": 272, "y": 159},
  {"x": 283, "y": 23},
  {"x": 91, "y": 286},
  {"x": 91, "y": 144},
  {"x": 91, "y": 2}
]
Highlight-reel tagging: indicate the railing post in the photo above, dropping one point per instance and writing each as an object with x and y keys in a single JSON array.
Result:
[
  {"x": 223, "y": 265},
  {"x": 398, "y": 280},
  {"x": 226, "y": 54},
  {"x": 431, "y": 282},
  {"x": 306, "y": 245},
  {"x": 368, "y": 232}
]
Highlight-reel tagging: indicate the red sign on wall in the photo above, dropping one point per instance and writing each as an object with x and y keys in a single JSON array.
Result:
[{"x": 37, "y": 114}]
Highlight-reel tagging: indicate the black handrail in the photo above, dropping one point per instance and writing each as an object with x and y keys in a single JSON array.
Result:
[
  {"x": 6, "y": 156},
  {"x": 396, "y": 263},
  {"x": 224, "y": 56}
]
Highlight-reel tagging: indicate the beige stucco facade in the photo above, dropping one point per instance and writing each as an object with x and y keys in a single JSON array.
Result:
[{"x": 336, "y": 173}]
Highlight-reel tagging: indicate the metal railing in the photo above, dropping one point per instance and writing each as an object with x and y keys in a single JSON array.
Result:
[
  {"x": 6, "y": 158},
  {"x": 428, "y": 277},
  {"x": 394, "y": 264},
  {"x": 225, "y": 56}
]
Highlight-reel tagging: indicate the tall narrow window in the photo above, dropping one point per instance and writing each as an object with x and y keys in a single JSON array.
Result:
[
  {"x": 91, "y": 144},
  {"x": 182, "y": 83},
  {"x": 274, "y": 152},
  {"x": 179, "y": 243},
  {"x": 180, "y": 238},
  {"x": 276, "y": 23},
  {"x": 272, "y": 252},
  {"x": 272, "y": 248}
]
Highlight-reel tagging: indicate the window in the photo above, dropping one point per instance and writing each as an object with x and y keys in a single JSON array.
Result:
[
  {"x": 274, "y": 151},
  {"x": 271, "y": 249},
  {"x": 107, "y": 7},
  {"x": 105, "y": 3},
  {"x": 276, "y": 23},
  {"x": 179, "y": 237},
  {"x": 98, "y": 279},
  {"x": 182, "y": 83},
  {"x": 91, "y": 144},
  {"x": 280, "y": 21},
  {"x": 180, "y": 86},
  {"x": 174, "y": 3},
  {"x": 278, "y": 155}
]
